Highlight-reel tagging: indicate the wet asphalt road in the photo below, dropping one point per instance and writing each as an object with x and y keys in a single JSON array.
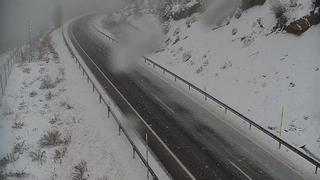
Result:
[{"x": 206, "y": 146}]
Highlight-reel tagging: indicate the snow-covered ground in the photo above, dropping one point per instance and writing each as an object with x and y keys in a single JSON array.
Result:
[
  {"x": 49, "y": 96},
  {"x": 253, "y": 71},
  {"x": 256, "y": 71}
]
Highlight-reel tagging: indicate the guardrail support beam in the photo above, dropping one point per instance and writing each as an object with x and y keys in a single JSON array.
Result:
[
  {"x": 133, "y": 152},
  {"x": 108, "y": 111},
  {"x": 2, "y": 89}
]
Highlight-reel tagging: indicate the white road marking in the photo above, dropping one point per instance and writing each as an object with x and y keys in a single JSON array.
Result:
[
  {"x": 165, "y": 105},
  {"x": 237, "y": 167}
]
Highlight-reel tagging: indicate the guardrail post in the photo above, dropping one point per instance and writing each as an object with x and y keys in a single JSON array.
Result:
[
  {"x": 5, "y": 74},
  {"x": 133, "y": 152},
  {"x": 250, "y": 126},
  {"x": 8, "y": 65},
  {"x": 119, "y": 129},
  {"x": 2, "y": 89},
  {"x": 109, "y": 111},
  {"x": 316, "y": 170},
  {"x": 279, "y": 145},
  {"x": 225, "y": 110},
  {"x": 175, "y": 78},
  {"x": 147, "y": 155},
  {"x": 92, "y": 87},
  {"x": 100, "y": 98}
]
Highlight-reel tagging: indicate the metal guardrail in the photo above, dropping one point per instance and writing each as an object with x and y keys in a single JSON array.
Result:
[
  {"x": 135, "y": 149},
  {"x": 5, "y": 70},
  {"x": 227, "y": 108}
]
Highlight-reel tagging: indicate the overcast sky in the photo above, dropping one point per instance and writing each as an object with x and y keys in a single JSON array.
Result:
[{"x": 14, "y": 15}]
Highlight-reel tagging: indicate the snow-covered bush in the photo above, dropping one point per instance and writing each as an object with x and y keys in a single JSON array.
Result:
[
  {"x": 47, "y": 83},
  {"x": 190, "y": 21},
  {"x": 18, "y": 125},
  {"x": 179, "y": 9},
  {"x": 279, "y": 10},
  {"x": 234, "y": 31},
  {"x": 247, "y": 41},
  {"x": 39, "y": 156},
  {"x": 316, "y": 4},
  {"x": 238, "y": 13},
  {"x": 186, "y": 56},
  {"x": 246, "y": 4},
  {"x": 51, "y": 138},
  {"x": 19, "y": 147},
  {"x": 79, "y": 171}
]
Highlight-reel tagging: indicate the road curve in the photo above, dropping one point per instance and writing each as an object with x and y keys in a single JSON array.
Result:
[{"x": 206, "y": 146}]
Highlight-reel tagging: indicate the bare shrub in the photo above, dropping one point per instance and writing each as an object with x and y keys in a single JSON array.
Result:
[
  {"x": 55, "y": 119},
  {"x": 2, "y": 174},
  {"x": 66, "y": 105},
  {"x": 79, "y": 171},
  {"x": 17, "y": 174},
  {"x": 278, "y": 9},
  {"x": 39, "y": 156},
  {"x": 47, "y": 83},
  {"x": 67, "y": 139},
  {"x": 33, "y": 94},
  {"x": 49, "y": 95},
  {"x": 26, "y": 70},
  {"x": 4, "y": 162},
  {"x": 9, "y": 158},
  {"x": 61, "y": 75},
  {"x": 59, "y": 154},
  {"x": 18, "y": 125},
  {"x": 186, "y": 56},
  {"x": 234, "y": 31},
  {"x": 19, "y": 147},
  {"x": 51, "y": 138},
  {"x": 62, "y": 71}
]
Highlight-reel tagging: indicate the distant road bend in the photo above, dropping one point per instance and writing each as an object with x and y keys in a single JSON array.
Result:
[{"x": 206, "y": 146}]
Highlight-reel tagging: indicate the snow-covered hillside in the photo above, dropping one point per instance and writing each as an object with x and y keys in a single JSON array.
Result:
[{"x": 255, "y": 69}]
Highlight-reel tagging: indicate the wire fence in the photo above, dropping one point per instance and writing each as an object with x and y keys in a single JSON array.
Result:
[
  {"x": 6, "y": 68},
  {"x": 226, "y": 107}
]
